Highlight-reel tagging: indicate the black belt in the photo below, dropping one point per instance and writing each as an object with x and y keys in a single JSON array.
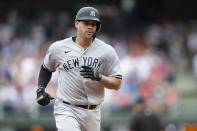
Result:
[{"x": 90, "y": 107}]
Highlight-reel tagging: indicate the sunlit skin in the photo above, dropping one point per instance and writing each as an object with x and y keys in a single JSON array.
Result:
[{"x": 85, "y": 32}]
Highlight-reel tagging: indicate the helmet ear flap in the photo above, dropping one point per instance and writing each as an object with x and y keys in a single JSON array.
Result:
[{"x": 98, "y": 27}]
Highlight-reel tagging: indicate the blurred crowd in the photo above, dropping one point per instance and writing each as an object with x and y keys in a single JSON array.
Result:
[{"x": 150, "y": 58}]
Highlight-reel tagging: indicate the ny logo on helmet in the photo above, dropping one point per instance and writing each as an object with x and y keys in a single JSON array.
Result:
[{"x": 92, "y": 13}]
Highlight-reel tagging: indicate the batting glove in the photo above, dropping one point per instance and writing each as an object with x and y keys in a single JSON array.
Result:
[
  {"x": 88, "y": 72},
  {"x": 43, "y": 98}
]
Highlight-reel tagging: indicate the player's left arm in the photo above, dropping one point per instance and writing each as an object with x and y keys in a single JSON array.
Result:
[
  {"x": 111, "y": 82},
  {"x": 111, "y": 77}
]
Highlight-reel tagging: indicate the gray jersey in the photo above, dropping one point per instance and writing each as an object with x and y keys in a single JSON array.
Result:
[{"x": 68, "y": 57}]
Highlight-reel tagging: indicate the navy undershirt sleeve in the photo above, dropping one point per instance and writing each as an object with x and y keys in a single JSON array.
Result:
[{"x": 44, "y": 77}]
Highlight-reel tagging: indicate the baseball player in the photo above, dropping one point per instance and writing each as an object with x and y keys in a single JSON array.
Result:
[{"x": 86, "y": 65}]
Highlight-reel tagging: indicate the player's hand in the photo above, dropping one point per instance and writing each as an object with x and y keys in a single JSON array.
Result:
[
  {"x": 43, "y": 98},
  {"x": 88, "y": 72}
]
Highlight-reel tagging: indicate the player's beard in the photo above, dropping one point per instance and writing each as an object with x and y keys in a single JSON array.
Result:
[{"x": 88, "y": 35}]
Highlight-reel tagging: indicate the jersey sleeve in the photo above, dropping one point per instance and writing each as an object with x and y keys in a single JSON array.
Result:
[
  {"x": 112, "y": 67},
  {"x": 51, "y": 60}
]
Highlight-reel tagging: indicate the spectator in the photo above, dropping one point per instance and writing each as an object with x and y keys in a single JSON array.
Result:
[{"x": 144, "y": 119}]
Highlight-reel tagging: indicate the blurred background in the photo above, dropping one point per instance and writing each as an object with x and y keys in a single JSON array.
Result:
[{"x": 156, "y": 41}]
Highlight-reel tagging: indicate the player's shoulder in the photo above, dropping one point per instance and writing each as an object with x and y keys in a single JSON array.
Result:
[
  {"x": 103, "y": 44},
  {"x": 60, "y": 43}
]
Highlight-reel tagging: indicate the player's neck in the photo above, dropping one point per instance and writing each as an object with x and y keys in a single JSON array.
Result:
[{"x": 83, "y": 42}]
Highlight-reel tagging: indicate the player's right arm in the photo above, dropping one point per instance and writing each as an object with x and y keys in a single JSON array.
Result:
[
  {"x": 49, "y": 65},
  {"x": 43, "y": 98}
]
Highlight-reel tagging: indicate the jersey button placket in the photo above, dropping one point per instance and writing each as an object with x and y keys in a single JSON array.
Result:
[{"x": 84, "y": 79}]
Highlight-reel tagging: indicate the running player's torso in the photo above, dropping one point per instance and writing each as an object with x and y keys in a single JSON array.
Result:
[{"x": 72, "y": 87}]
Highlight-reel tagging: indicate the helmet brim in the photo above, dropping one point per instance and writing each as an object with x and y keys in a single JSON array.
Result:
[{"x": 88, "y": 18}]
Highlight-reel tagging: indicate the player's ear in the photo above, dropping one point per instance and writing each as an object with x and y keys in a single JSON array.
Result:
[{"x": 76, "y": 24}]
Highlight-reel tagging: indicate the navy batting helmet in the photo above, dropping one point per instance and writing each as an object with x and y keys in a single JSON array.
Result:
[{"x": 89, "y": 13}]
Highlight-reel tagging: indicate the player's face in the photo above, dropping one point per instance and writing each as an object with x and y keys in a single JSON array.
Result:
[{"x": 86, "y": 28}]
